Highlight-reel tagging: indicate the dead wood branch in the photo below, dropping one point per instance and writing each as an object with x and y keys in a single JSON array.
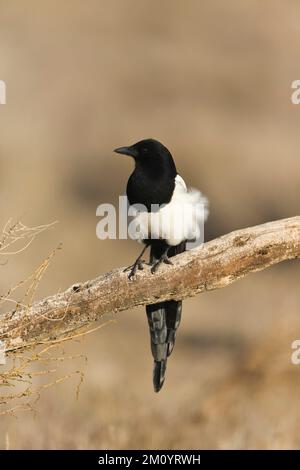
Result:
[{"x": 216, "y": 264}]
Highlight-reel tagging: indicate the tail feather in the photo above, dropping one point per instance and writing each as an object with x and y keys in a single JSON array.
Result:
[
  {"x": 163, "y": 319},
  {"x": 159, "y": 372},
  {"x": 158, "y": 332},
  {"x": 173, "y": 317}
]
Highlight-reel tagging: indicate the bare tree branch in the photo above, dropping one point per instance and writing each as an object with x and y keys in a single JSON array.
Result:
[{"x": 216, "y": 264}]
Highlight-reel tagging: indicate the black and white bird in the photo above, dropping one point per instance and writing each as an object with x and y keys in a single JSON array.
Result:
[{"x": 169, "y": 219}]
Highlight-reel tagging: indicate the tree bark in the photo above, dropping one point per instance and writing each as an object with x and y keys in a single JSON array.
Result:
[{"x": 214, "y": 265}]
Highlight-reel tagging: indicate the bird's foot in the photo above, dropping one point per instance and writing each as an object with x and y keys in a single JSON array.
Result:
[
  {"x": 137, "y": 265},
  {"x": 163, "y": 259}
]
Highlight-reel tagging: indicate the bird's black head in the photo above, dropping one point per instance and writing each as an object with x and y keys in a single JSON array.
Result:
[{"x": 150, "y": 154}]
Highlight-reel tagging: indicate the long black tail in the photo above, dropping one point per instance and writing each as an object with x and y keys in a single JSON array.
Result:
[{"x": 164, "y": 319}]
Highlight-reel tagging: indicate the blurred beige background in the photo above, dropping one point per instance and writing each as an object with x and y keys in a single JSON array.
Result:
[{"x": 211, "y": 80}]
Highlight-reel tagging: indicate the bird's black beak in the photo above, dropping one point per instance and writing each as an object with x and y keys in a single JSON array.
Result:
[{"x": 127, "y": 151}]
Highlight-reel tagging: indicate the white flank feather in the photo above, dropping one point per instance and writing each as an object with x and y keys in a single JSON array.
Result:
[{"x": 181, "y": 219}]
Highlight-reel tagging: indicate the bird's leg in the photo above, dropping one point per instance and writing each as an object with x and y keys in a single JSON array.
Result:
[
  {"x": 138, "y": 264},
  {"x": 163, "y": 259}
]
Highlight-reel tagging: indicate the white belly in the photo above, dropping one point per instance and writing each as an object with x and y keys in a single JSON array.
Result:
[{"x": 181, "y": 219}]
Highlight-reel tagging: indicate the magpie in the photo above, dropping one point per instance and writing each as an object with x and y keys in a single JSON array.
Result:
[{"x": 165, "y": 220}]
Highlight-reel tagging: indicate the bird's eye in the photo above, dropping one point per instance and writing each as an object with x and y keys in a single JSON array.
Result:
[{"x": 145, "y": 150}]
